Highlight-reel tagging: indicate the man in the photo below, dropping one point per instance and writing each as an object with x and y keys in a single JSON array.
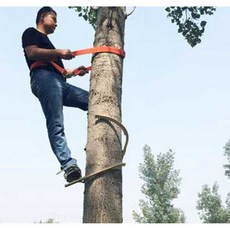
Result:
[{"x": 50, "y": 86}]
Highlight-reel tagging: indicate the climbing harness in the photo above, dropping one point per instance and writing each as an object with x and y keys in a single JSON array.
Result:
[{"x": 94, "y": 50}]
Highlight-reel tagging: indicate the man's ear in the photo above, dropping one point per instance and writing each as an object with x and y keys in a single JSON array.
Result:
[{"x": 42, "y": 17}]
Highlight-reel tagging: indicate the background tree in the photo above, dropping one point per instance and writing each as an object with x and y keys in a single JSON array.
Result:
[
  {"x": 103, "y": 195},
  {"x": 48, "y": 221},
  {"x": 227, "y": 154},
  {"x": 210, "y": 207},
  {"x": 161, "y": 187}
]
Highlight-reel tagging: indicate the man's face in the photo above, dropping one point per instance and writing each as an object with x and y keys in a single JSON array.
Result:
[{"x": 49, "y": 22}]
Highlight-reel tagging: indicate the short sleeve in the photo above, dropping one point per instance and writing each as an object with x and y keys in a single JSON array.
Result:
[{"x": 30, "y": 37}]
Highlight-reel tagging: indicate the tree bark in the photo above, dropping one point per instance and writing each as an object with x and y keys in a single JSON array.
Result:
[{"x": 103, "y": 193}]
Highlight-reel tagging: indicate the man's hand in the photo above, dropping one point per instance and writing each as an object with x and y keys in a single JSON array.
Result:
[
  {"x": 69, "y": 73},
  {"x": 39, "y": 54},
  {"x": 66, "y": 54},
  {"x": 82, "y": 70}
]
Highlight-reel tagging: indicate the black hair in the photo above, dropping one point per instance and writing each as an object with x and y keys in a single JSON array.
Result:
[{"x": 44, "y": 10}]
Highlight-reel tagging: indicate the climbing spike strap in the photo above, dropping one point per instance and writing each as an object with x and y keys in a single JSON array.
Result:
[
  {"x": 110, "y": 119},
  {"x": 94, "y": 50}
]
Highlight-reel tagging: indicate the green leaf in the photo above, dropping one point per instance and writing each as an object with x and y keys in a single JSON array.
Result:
[
  {"x": 85, "y": 17},
  {"x": 168, "y": 9},
  {"x": 79, "y": 9},
  {"x": 203, "y": 23}
]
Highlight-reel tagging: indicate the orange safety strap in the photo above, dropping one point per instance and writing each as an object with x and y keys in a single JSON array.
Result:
[
  {"x": 99, "y": 49},
  {"x": 64, "y": 72}
]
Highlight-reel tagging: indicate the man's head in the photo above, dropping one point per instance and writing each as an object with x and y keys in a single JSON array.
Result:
[
  {"x": 43, "y": 12},
  {"x": 46, "y": 16}
]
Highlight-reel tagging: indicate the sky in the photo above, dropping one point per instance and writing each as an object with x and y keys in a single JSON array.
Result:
[{"x": 174, "y": 97}]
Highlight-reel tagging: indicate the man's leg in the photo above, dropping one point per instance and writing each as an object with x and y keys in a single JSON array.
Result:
[
  {"x": 48, "y": 88},
  {"x": 76, "y": 97}
]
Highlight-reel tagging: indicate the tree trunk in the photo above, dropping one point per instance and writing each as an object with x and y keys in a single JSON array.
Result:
[{"x": 103, "y": 193}]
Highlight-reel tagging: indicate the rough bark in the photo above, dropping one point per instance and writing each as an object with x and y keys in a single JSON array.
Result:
[{"x": 103, "y": 193}]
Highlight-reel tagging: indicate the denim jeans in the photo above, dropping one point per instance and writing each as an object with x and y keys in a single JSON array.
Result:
[{"x": 53, "y": 93}]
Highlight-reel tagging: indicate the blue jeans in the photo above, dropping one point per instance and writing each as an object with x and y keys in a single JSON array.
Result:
[{"x": 53, "y": 93}]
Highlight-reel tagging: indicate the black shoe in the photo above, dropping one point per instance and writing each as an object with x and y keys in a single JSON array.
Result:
[{"x": 72, "y": 173}]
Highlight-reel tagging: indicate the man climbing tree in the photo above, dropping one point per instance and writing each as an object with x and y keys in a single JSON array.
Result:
[
  {"x": 103, "y": 193},
  {"x": 50, "y": 86}
]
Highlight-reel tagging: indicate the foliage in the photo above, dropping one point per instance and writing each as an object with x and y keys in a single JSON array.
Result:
[
  {"x": 210, "y": 207},
  {"x": 227, "y": 153},
  {"x": 49, "y": 221},
  {"x": 160, "y": 188},
  {"x": 88, "y": 13},
  {"x": 187, "y": 19}
]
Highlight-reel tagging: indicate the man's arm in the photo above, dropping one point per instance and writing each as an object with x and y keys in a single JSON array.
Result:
[{"x": 39, "y": 54}]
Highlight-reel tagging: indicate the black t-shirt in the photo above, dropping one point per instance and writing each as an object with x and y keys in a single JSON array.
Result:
[{"x": 31, "y": 36}]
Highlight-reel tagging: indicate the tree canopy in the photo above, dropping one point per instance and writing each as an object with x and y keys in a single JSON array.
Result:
[
  {"x": 210, "y": 207},
  {"x": 161, "y": 187},
  {"x": 188, "y": 19}
]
